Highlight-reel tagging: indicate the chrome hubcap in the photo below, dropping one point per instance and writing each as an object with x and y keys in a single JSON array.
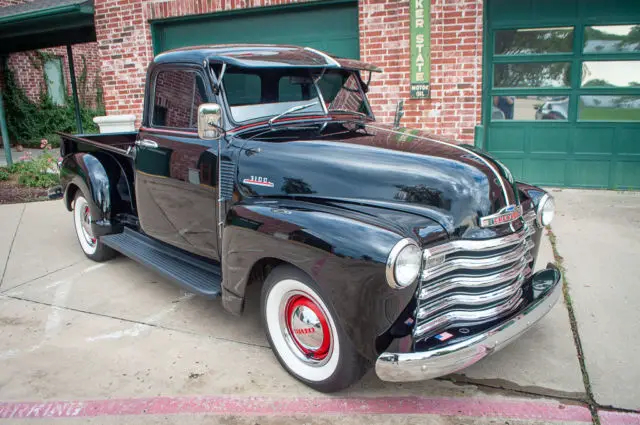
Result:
[
  {"x": 85, "y": 222},
  {"x": 306, "y": 329}
]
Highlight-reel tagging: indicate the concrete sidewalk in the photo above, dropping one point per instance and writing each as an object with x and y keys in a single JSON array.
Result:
[
  {"x": 73, "y": 329},
  {"x": 598, "y": 236}
]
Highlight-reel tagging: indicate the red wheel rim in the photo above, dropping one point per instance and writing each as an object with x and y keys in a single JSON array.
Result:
[{"x": 307, "y": 323}]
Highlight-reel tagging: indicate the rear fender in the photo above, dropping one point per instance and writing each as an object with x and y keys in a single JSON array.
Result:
[{"x": 85, "y": 172}]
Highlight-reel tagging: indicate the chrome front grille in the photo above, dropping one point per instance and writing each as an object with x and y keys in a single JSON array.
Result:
[{"x": 469, "y": 282}]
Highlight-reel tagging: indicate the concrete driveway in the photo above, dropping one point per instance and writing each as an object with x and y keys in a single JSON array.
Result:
[{"x": 112, "y": 342}]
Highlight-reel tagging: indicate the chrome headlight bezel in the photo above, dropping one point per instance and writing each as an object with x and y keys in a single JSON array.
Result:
[
  {"x": 396, "y": 251},
  {"x": 545, "y": 201}
]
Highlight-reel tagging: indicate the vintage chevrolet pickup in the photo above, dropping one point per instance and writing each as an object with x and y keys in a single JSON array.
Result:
[{"x": 264, "y": 165}]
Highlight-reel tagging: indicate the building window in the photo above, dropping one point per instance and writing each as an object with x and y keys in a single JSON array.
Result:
[
  {"x": 55, "y": 80},
  {"x": 177, "y": 96}
]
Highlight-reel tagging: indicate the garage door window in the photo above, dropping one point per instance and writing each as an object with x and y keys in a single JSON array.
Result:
[
  {"x": 609, "y": 108},
  {"x": 542, "y": 75},
  {"x": 534, "y": 40},
  {"x": 610, "y": 77},
  {"x": 611, "y": 39}
]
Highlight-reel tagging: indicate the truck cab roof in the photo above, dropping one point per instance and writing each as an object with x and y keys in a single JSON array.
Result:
[{"x": 261, "y": 56}]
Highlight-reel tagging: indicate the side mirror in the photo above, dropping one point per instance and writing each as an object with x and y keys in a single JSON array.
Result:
[{"x": 209, "y": 121}]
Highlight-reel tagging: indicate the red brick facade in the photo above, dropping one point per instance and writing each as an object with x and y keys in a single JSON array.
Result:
[
  {"x": 125, "y": 49},
  {"x": 28, "y": 70}
]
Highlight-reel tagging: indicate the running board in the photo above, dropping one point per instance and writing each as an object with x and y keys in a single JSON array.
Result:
[{"x": 191, "y": 273}]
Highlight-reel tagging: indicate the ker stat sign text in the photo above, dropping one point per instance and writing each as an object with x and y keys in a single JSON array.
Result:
[{"x": 420, "y": 48}]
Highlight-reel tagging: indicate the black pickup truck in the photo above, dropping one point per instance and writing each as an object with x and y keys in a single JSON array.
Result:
[{"x": 373, "y": 244}]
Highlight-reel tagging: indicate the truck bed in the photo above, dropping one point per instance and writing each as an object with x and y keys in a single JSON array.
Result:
[{"x": 120, "y": 143}]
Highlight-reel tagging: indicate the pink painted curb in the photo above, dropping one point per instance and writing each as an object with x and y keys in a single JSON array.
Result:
[
  {"x": 221, "y": 405},
  {"x": 608, "y": 417}
]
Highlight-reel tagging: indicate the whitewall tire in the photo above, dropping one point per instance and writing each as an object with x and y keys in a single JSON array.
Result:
[
  {"x": 303, "y": 333},
  {"x": 90, "y": 244}
]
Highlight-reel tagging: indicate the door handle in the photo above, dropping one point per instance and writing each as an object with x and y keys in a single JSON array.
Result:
[{"x": 146, "y": 143}]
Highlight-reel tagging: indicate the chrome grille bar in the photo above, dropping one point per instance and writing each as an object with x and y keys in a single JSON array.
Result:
[
  {"x": 469, "y": 317},
  {"x": 469, "y": 282},
  {"x": 479, "y": 263},
  {"x": 474, "y": 281},
  {"x": 471, "y": 299}
]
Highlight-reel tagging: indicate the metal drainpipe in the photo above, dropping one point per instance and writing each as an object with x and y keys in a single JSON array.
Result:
[
  {"x": 74, "y": 89},
  {"x": 3, "y": 119}
]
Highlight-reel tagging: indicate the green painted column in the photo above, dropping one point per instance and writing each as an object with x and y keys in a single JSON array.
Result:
[
  {"x": 5, "y": 132},
  {"x": 74, "y": 89}
]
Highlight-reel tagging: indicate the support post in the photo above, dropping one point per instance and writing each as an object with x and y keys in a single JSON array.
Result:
[
  {"x": 74, "y": 88},
  {"x": 5, "y": 132},
  {"x": 3, "y": 120}
]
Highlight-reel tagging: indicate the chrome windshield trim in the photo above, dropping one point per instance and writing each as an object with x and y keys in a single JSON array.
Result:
[
  {"x": 474, "y": 300},
  {"x": 462, "y": 317},
  {"x": 471, "y": 281}
]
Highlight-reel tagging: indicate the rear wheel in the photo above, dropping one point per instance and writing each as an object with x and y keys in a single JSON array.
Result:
[
  {"x": 303, "y": 333},
  {"x": 90, "y": 244}
]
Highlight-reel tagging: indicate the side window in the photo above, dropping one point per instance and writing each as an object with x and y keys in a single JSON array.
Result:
[{"x": 177, "y": 97}]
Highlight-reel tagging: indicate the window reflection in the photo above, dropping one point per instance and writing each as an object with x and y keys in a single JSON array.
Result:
[
  {"x": 611, "y": 74},
  {"x": 554, "y": 74},
  {"x": 534, "y": 40},
  {"x": 530, "y": 108},
  {"x": 609, "y": 108},
  {"x": 612, "y": 39}
]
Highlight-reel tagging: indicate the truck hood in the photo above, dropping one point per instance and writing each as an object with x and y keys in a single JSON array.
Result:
[{"x": 375, "y": 165}]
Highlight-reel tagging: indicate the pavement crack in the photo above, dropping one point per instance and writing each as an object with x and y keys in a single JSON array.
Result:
[
  {"x": 40, "y": 277},
  {"x": 591, "y": 401},
  {"x": 137, "y": 322},
  {"x": 13, "y": 239},
  {"x": 508, "y": 386}
]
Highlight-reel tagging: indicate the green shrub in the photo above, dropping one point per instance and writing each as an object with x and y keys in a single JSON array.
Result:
[
  {"x": 4, "y": 174},
  {"x": 36, "y": 172},
  {"x": 28, "y": 122}
]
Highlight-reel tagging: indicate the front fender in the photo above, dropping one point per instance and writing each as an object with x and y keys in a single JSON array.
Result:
[{"x": 345, "y": 254}]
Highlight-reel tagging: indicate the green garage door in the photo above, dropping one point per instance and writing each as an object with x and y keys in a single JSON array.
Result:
[
  {"x": 562, "y": 91},
  {"x": 331, "y": 26}
]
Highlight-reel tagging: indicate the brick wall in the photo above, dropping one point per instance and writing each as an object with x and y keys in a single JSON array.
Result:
[
  {"x": 28, "y": 70},
  {"x": 125, "y": 50}
]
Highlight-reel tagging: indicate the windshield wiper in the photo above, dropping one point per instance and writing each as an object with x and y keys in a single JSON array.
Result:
[{"x": 291, "y": 110}]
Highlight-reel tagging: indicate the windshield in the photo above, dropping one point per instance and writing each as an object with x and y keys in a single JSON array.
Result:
[{"x": 265, "y": 93}]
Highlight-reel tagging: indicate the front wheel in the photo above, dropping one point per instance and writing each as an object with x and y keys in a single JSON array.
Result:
[
  {"x": 303, "y": 333},
  {"x": 90, "y": 244}
]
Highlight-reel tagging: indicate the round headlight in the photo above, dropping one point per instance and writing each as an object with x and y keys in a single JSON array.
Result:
[
  {"x": 546, "y": 210},
  {"x": 403, "y": 264}
]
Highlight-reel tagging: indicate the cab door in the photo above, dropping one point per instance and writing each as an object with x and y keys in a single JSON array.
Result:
[{"x": 176, "y": 172}]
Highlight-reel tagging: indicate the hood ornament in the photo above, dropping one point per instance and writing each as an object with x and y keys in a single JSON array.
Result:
[{"x": 505, "y": 215}]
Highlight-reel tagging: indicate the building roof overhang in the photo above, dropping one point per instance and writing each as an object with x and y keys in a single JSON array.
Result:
[{"x": 46, "y": 23}]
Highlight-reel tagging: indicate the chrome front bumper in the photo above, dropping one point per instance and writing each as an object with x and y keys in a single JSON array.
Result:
[{"x": 416, "y": 366}]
